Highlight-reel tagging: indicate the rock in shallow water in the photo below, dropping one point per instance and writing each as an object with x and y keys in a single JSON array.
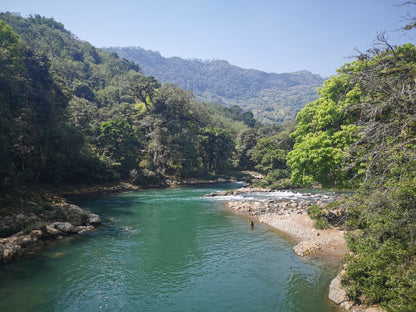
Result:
[
  {"x": 336, "y": 292},
  {"x": 306, "y": 248},
  {"x": 65, "y": 227},
  {"x": 94, "y": 219}
]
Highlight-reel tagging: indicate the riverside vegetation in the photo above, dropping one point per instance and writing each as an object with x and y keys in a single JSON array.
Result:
[
  {"x": 72, "y": 116},
  {"x": 71, "y": 113}
]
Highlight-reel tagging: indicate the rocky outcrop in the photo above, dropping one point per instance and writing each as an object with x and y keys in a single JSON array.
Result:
[
  {"x": 306, "y": 248},
  {"x": 338, "y": 294},
  {"x": 94, "y": 219},
  {"x": 70, "y": 220}
]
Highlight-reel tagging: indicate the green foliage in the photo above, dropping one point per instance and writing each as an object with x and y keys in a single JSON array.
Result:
[
  {"x": 361, "y": 132},
  {"x": 323, "y": 135},
  {"x": 78, "y": 114},
  {"x": 272, "y": 98},
  {"x": 315, "y": 212},
  {"x": 382, "y": 273},
  {"x": 322, "y": 224},
  {"x": 145, "y": 89},
  {"x": 32, "y": 110},
  {"x": 319, "y": 217},
  {"x": 215, "y": 148},
  {"x": 247, "y": 141},
  {"x": 270, "y": 152},
  {"x": 117, "y": 141},
  {"x": 381, "y": 270}
]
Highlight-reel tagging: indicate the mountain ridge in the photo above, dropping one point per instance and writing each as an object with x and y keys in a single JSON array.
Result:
[{"x": 273, "y": 98}]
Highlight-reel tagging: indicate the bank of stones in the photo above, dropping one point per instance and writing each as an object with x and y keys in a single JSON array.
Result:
[
  {"x": 71, "y": 220},
  {"x": 285, "y": 206}
]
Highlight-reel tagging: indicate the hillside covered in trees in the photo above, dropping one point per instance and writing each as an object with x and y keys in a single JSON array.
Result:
[
  {"x": 73, "y": 113},
  {"x": 273, "y": 98}
]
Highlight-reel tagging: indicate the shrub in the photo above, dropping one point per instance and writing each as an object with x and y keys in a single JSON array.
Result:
[{"x": 317, "y": 214}]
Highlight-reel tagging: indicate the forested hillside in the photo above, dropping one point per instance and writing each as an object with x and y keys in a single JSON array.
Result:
[
  {"x": 273, "y": 98},
  {"x": 73, "y": 113},
  {"x": 361, "y": 133}
]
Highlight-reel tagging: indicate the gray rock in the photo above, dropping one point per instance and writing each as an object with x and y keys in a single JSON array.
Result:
[
  {"x": 36, "y": 234},
  {"x": 337, "y": 293},
  {"x": 9, "y": 251},
  {"x": 24, "y": 240},
  {"x": 52, "y": 231},
  {"x": 94, "y": 219},
  {"x": 64, "y": 227},
  {"x": 347, "y": 305},
  {"x": 83, "y": 229},
  {"x": 306, "y": 248}
]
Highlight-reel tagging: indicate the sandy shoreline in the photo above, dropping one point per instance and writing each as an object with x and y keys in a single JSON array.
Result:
[
  {"x": 290, "y": 217},
  {"x": 300, "y": 228}
]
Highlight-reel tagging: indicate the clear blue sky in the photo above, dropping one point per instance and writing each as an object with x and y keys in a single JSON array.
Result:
[{"x": 270, "y": 35}]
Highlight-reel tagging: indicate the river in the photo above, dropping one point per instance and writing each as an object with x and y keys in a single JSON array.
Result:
[{"x": 168, "y": 250}]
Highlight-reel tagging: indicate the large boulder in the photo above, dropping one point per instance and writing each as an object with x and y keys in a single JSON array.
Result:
[
  {"x": 94, "y": 219},
  {"x": 337, "y": 293},
  {"x": 8, "y": 251},
  {"x": 64, "y": 227},
  {"x": 50, "y": 230},
  {"x": 306, "y": 248}
]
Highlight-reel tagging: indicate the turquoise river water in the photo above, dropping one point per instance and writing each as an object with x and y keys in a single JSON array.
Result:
[{"x": 168, "y": 250}]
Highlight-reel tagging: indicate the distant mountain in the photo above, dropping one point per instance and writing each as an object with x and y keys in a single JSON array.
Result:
[{"x": 273, "y": 98}]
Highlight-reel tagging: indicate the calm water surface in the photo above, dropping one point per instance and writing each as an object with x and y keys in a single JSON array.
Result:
[{"x": 168, "y": 250}]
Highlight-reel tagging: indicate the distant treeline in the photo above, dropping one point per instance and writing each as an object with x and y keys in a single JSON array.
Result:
[{"x": 273, "y": 98}]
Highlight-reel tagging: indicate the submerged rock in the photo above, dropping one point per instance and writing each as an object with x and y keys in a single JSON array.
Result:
[{"x": 83, "y": 229}]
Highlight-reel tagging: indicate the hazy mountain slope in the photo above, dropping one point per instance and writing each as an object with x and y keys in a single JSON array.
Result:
[{"x": 273, "y": 98}]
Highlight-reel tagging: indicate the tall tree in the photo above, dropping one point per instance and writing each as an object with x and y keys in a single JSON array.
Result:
[
  {"x": 145, "y": 89},
  {"x": 215, "y": 147},
  {"x": 323, "y": 134}
]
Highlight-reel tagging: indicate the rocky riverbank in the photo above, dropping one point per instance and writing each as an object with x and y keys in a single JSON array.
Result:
[
  {"x": 290, "y": 215},
  {"x": 288, "y": 212},
  {"x": 30, "y": 219},
  {"x": 41, "y": 226}
]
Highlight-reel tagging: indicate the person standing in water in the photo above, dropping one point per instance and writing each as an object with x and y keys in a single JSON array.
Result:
[{"x": 251, "y": 224}]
